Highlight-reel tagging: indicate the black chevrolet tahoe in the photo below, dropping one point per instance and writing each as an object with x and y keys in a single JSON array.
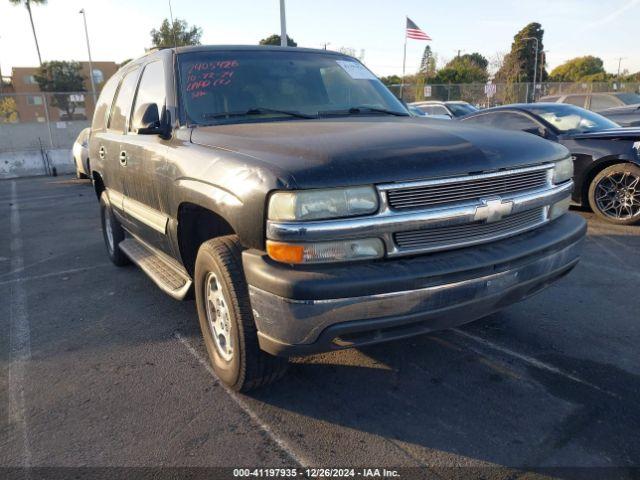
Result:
[{"x": 294, "y": 196}]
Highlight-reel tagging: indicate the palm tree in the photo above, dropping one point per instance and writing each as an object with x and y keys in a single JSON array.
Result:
[{"x": 27, "y": 4}]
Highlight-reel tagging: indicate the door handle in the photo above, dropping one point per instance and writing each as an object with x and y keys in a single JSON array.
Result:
[
  {"x": 123, "y": 158},
  {"x": 102, "y": 152}
]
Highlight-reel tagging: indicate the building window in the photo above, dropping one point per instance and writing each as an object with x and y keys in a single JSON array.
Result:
[
  {"x": 29, "y": 80},
  {"x": 98, "y": 76},
  {"x": 34, "y": 100}
]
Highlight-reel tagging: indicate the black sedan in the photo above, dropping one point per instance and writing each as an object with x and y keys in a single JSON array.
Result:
[{"x": 606, "y": 157}]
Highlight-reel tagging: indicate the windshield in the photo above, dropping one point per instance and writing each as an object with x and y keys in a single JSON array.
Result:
[
  {"x": 265, "y": 85},
  {"x": 571, "y": 119},
  {"x": 460, "y": 109},
  {"x": 629, "y": 98}
]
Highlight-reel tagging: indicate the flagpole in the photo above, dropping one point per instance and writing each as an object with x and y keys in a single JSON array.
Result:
[{"x": 404, "y": 59}]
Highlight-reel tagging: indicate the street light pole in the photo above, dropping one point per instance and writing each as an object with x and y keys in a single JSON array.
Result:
[
  {"x": 283, "y": 25},
  {"x": 535, "y": 65},
  {"x": 86, "y": 34}
]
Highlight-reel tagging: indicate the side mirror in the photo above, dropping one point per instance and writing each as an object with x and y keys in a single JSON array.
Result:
[
  {"x": 539, "y": 131},
  {"x": 146, "y": 120}
]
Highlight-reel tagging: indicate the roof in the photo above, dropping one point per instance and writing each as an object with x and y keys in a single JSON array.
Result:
[{"x": 207, "y": 48}]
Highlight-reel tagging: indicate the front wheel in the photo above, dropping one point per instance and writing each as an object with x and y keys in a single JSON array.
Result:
[
  {"x": 614, "y": 194},
  {"x": 226, "y": 318}
]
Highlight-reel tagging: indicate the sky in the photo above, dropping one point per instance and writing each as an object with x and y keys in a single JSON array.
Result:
[{"x": 119, "y": 29}]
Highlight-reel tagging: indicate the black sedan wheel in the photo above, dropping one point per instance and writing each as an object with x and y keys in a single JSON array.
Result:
[{"x": 614, "y": 194}]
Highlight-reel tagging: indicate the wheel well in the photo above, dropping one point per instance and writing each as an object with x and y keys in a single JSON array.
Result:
[
  {"x": 591, "y": 174},
  {"x": 196, "y": 225},
  {"x": 98, "y": 184}
]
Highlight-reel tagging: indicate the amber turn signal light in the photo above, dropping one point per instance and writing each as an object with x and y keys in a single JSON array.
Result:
[{"x": 284, "y": 252}]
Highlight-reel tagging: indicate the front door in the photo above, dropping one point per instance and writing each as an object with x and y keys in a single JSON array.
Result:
[{"x": 144, "y": 183}]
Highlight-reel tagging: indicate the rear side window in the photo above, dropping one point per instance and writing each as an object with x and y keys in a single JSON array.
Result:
[
  {"x": 514, "y": 121},
  {"x": 104, "y": 104},
  {"x": 577, "y": 100},
  {"x": 151, "y": 88},
  {"x": 124, "y": 98},
  {"x": 600, "y": 102}
]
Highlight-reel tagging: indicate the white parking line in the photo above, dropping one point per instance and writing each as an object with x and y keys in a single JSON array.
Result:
[
  {"x": 301, "y": 461},
  {"x": 608, "y": 251},
  {"x": 19, "y": 337},
  {"x": 534, "y": 362},
  {"x": 54, "y": 274}
]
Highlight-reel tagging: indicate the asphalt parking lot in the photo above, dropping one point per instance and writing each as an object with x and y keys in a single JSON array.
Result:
[{"x": 100, "y": 368}]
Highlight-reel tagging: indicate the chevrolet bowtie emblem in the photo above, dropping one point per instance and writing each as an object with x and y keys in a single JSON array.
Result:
[{"x": 492, "y": 209}]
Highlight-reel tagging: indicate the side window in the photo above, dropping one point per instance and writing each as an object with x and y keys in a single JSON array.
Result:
[
  {"x": 104, "y": 104},
  {"x": 486, "y": 119},
  {"x": 600, "y": 102},
  {"x": 124, "y": 98},
  {"x": 577, "y": 100},
  {"x": 514, "y": 121},
  {"x": 438, "y": 110},
  {"x": 152, "y": 88}
]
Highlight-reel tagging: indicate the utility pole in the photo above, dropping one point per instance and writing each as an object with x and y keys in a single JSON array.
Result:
[
  {"x": 619, "y": 63},
  {"x": 86, "y": 34},
  {"x": 44, "y": 97},
  {"x": 283, "y": 25},
  {"x": 535, "y": 66}
]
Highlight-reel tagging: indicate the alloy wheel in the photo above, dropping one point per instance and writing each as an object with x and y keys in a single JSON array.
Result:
[{"x": 618, "y": 195}]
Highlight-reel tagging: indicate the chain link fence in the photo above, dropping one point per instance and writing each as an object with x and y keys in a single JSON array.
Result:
[
  {"x": 482, "y": 96},
  {"x": 35, "y": 121}
]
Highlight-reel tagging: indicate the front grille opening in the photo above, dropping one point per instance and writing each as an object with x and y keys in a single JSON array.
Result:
[
  {"x": 440, "y": 238},
  {"x": 464, "y": 189}
]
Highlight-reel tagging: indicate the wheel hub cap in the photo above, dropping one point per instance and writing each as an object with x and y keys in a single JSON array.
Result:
[
  {"x": 618, "y": 195},
  {"x": 109, "y": 231},
  {"x": 218, "y": 316}
]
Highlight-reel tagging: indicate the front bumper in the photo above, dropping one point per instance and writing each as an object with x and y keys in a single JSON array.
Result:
[{"x": 314, "y": 309}]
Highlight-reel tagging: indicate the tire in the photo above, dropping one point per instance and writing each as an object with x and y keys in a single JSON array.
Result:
[
  {"x": 234, "y": 352},
  {"x": 111, "y": 224},
  {"x": 614, "y": 194}
]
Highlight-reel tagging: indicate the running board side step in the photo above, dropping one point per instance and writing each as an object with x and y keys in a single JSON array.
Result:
[{"x": 166, "y": 273}]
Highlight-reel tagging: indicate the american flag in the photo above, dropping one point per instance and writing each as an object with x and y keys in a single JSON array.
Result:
[{"x": 413, "y": 31}]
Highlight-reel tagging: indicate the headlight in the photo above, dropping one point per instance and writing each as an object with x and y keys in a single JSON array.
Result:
[
  {"x": 636, "y": 147},
  {"x": 326, "y": 252},
  {"x": 563, "y": 170},
  {"x": 559, "y": 208},
  {"x": 322, "y": 204}
]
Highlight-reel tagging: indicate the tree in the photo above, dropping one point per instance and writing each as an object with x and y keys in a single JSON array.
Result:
[
  {"x": 469, "y": 68},
  {"x": 518, "y": 64},
  {"x": 61, "y": 76},
  {"x": 27, "y": 4},
  {"x": 391, "y": 80},
  {"x": 8, "y": 110},
  {"x": 428, "y": 63},
  {"x": 179, "y": 34},
  {"x": 578, "y": 69},
  {"x": 275, "y": 40}
]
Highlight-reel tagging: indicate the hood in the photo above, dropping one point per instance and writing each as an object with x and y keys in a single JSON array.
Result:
[
  {"x": 365, "y": 150},
  {"x": 631, "y": 134},
  {"x": 623, "y": 109}
]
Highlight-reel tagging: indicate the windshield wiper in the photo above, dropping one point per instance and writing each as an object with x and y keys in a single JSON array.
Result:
[
  {"x": 254, "y": 111},
  {"x": 362, "y": 109}
]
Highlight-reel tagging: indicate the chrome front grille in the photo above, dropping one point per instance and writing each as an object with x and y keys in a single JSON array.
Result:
[
  {"x": 436, "y": 193},
  {"x": 444, "y": 213},
  {"x": 456, "y": 236}
]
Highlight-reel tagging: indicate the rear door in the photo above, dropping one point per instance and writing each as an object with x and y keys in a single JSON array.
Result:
[{"x": 116, "y": 145}]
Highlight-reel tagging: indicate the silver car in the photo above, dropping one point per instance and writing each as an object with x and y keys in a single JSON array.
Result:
[{"x": 81, "y": 154}]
